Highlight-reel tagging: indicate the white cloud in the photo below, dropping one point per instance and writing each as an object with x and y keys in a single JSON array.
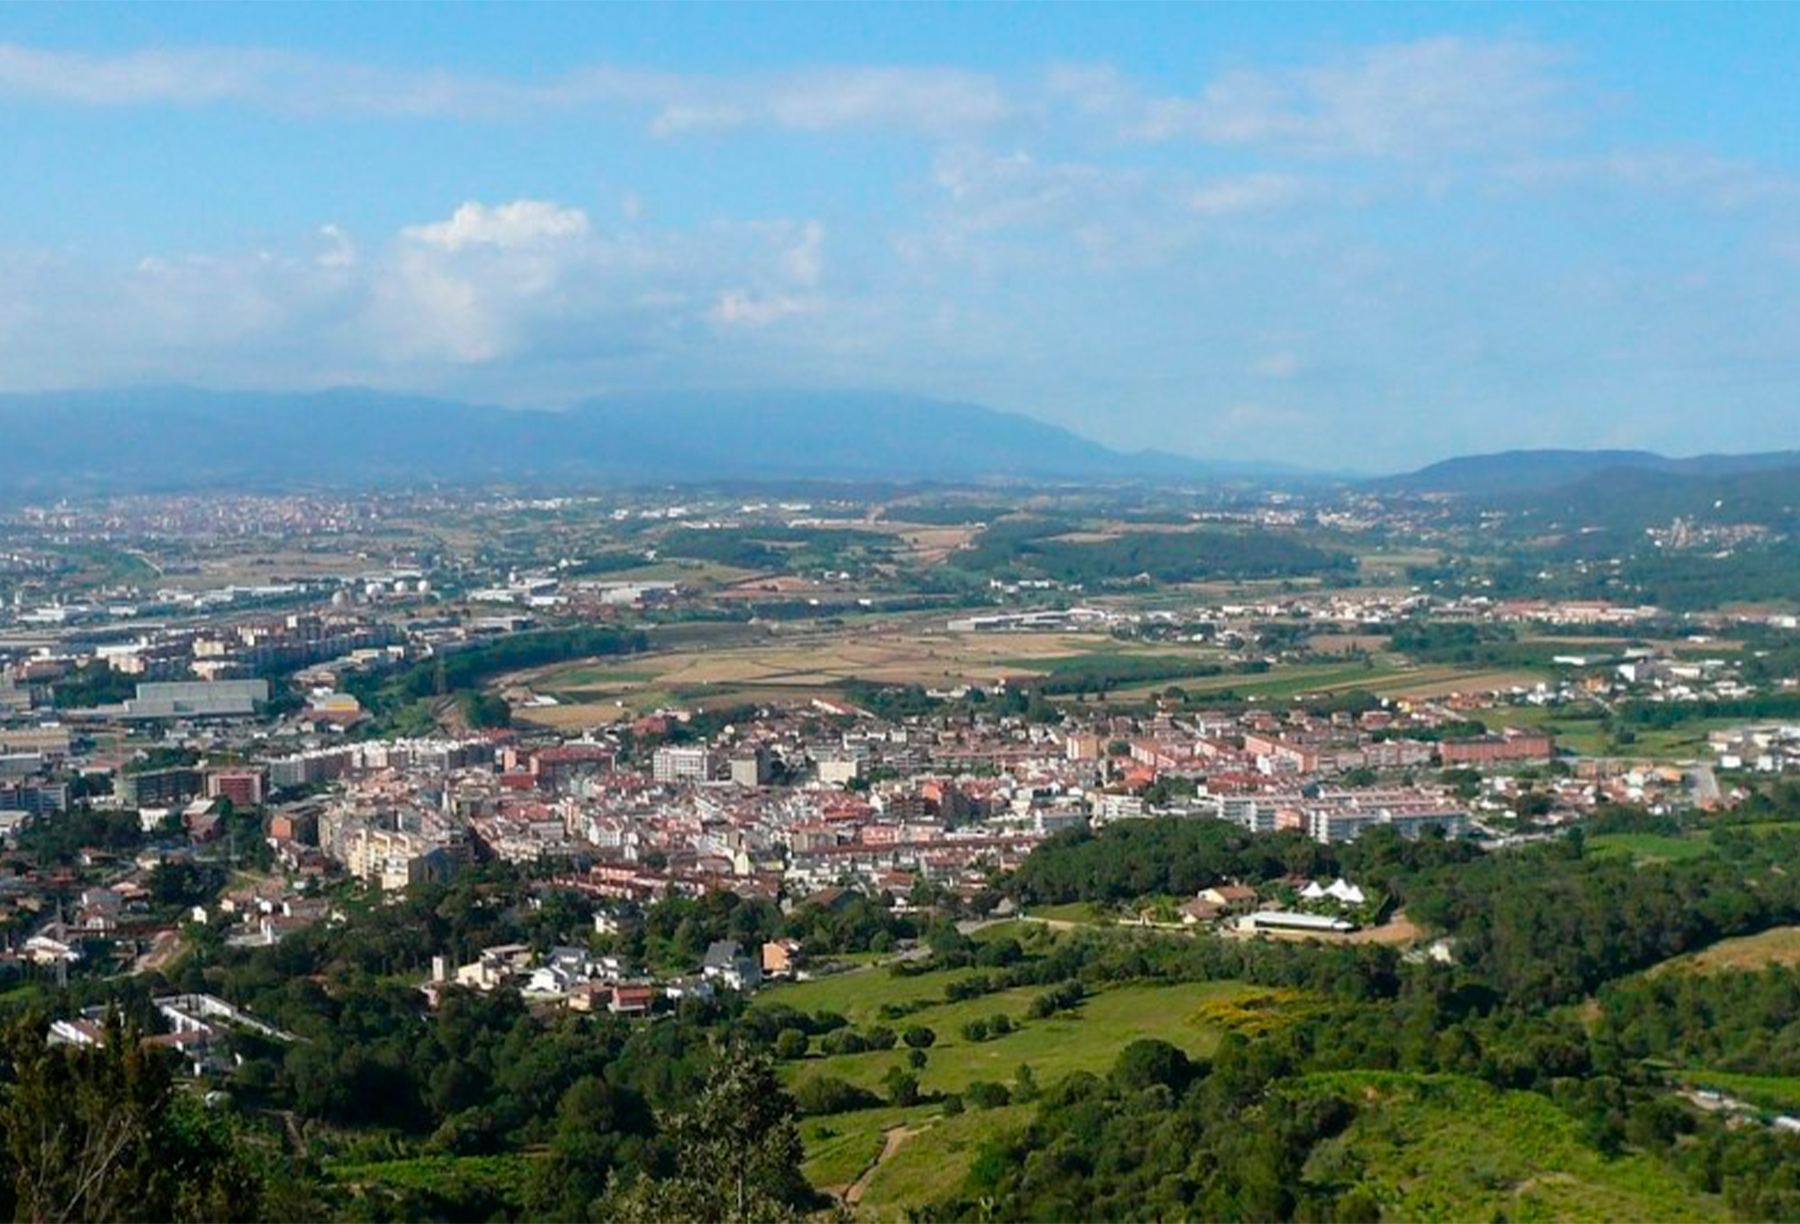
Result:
[
  {"x": 930, "y": 100},
  {"x": 521, "y": 223},
  {"x": 740, "y": 307},
  {"x": 1246, "y": 193},
  {"x": 508, "y": 286},
  {"x": 1410, "y": 99}
]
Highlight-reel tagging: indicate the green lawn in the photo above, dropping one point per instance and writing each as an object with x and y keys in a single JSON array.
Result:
[
  {"x": 1085, "y": 912},
  {"x": 1445, "y": 1147},
  {"x": 1651, "y": 847}
]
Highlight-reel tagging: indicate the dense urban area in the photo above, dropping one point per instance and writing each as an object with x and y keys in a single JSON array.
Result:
[{"x": 1332, "y": 850}]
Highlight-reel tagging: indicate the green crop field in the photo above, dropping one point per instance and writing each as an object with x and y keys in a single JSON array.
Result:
[{"x": 1445, "y": 1147}]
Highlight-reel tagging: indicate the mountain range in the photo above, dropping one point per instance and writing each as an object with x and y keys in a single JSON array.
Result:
[
  {"x": 1528, "y": 471},
  {"x": 168, "y": 438}
]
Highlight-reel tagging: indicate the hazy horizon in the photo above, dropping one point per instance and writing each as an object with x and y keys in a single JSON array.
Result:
[{"x": 1346, "y": 238}]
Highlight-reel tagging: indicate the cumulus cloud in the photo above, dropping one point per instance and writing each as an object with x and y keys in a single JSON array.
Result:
[
  {"x": 493, "y": 286},
  {"x": 521, "y": 223}
]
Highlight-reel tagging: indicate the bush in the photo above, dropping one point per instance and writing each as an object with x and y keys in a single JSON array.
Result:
[
  {"x": 902, "y": 1087},
  {"x": 919, "y": 1037},
  {"x": 985, "y": 1095},
  {"x": 975, "y": 1030},
  {"x": 952, "y": 1105},
  {"x": 843, "y": 1041},
  {"x": 915, "y": 1059},
  {"x": 999, "y": 953},
  {"x": 1058, "y": 998},
  {"x": 790, "y": 1044},
  {"x": 827, "y": 1094},
  {"x": 880, "y": 1038}
]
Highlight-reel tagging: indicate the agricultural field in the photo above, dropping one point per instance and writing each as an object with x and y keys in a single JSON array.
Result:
[
  {"x": 819, "y": 664},
  {"x": 1446, "y": 1147},
  {"x": 1384, "y": 679}
]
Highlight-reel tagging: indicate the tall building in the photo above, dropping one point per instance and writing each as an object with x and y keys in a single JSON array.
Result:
[{"x": 673, "y": 764}]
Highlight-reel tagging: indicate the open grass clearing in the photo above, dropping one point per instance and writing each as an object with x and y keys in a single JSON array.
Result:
[
  {"x": 1649, "y": 847},
  {"x": 1088, "y": 1038},
  {"x": 933, "y": 1162},
  {"x": 1775, "y": 946}
]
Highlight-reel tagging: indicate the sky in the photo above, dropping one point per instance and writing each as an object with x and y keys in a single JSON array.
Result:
[{"x": 1354, "y": 237}]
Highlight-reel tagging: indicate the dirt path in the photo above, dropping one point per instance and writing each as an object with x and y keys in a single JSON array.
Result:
[{"x": 891, "y": 1139}]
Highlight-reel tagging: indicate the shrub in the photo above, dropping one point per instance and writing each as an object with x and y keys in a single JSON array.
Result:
[
  {"x": 985, "y": 1095},
  {"x": 827, "y": 1094},
  {"x": 843, "y": 1041},
  {"x": 919, "y": 1037},
  {"x": 790, "y": 1044}
]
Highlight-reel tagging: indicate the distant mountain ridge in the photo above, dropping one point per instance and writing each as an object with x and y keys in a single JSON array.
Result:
[
  {"x": 174, "y": 438},
  {"x": 1529, "y": 471}
]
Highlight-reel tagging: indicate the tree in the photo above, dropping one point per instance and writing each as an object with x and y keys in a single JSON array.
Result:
[
  {"x": 599, "y": 1127},
  {"x": 99, "y": 1134},
  {"x": 919, "y": 1037},
  {"x": 1148, "y": 1061},
  {"x": 902, "y": 1087},
  {"x": 790, "y": 1044},
  {"x": 737, "y": 1153}
]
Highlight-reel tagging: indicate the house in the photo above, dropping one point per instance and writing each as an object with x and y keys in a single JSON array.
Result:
[
  {"x": 587, "y": 996},
  {"x": 632, "y": 999},
  {"x": 780, "y": 957},
  {"x": 495, "y": 966},
  {"x": 566, "y": 968},
  {"x": 727, "y": 965},
  {"x": 1232, "y": 898},
  {"x": 48, "y": 950},
  {"x": 1201, "y": 909},
  {"x": 692, "y": 987}
]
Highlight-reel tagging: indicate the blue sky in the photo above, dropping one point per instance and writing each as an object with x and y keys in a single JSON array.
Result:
[{"x": 1353, "y": 236}]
